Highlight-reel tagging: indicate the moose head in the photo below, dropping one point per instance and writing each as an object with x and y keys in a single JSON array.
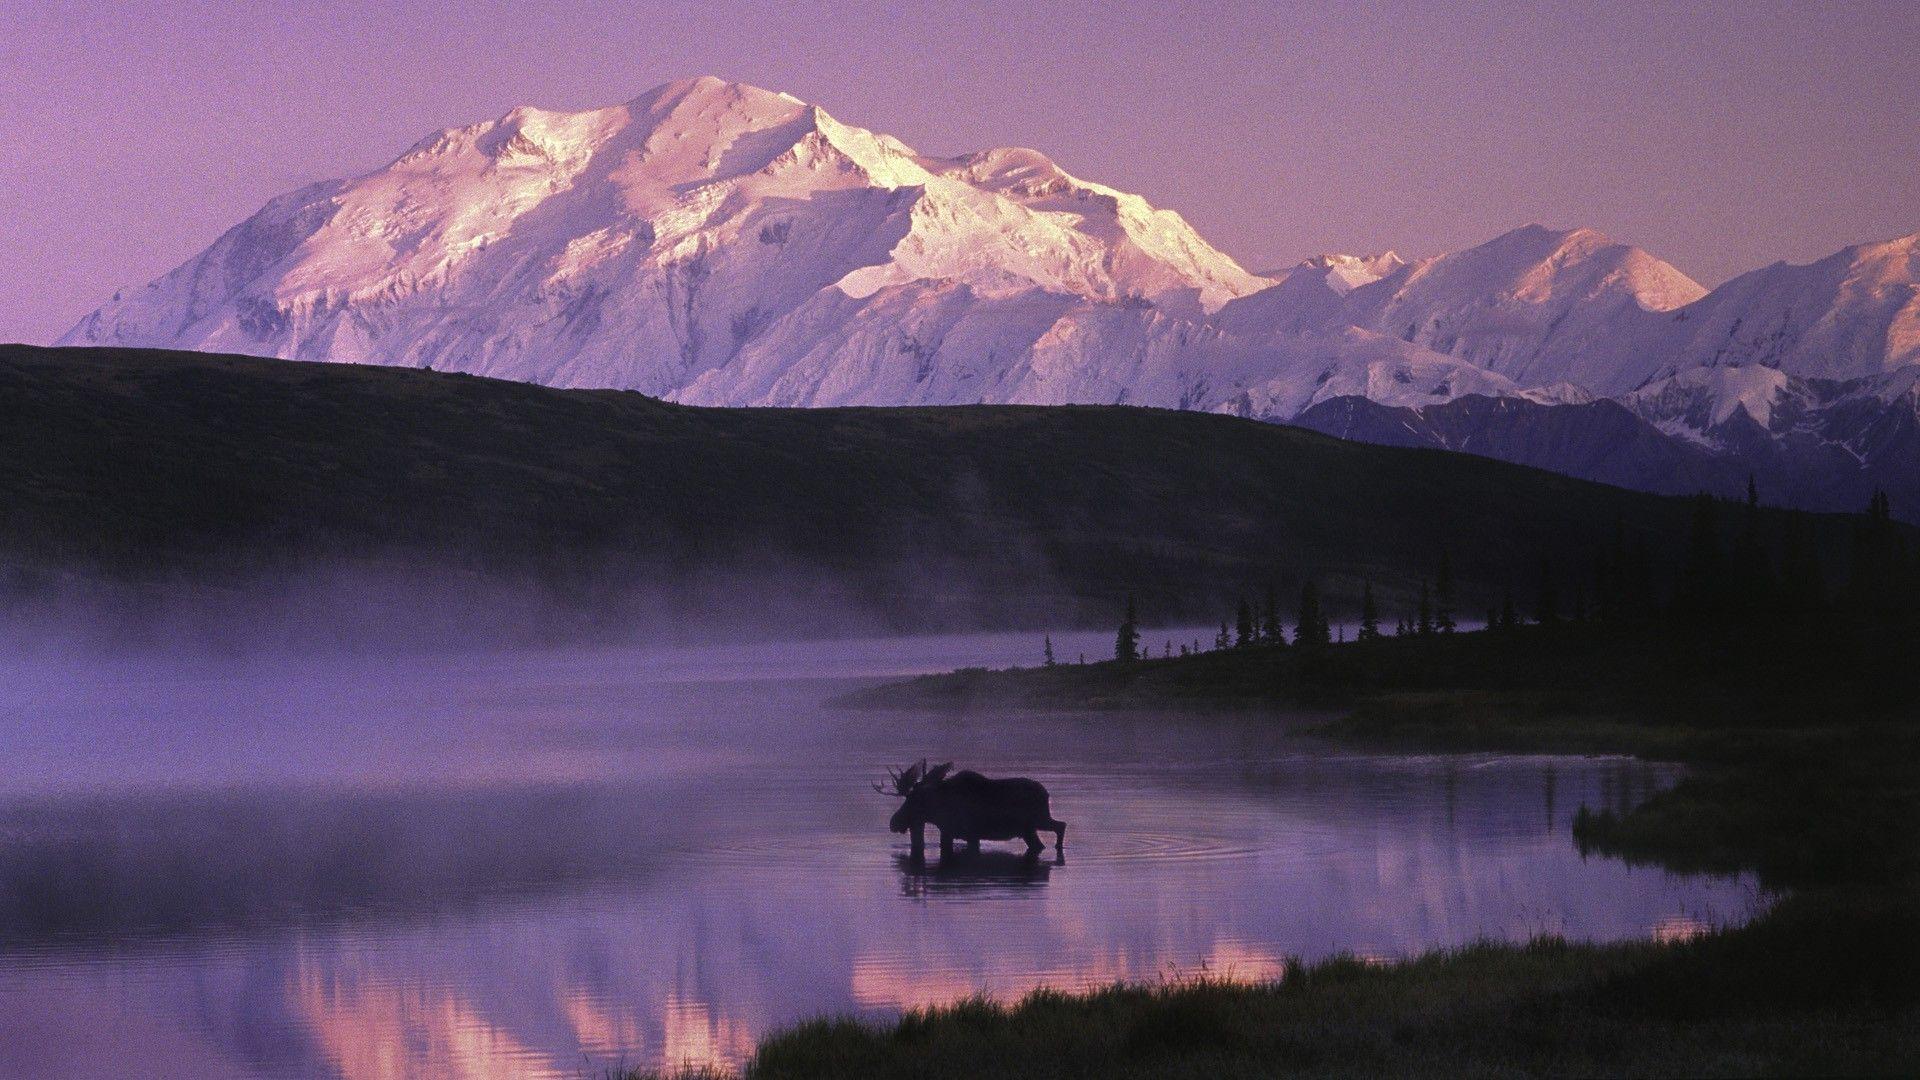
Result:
[{"x": 916, "y": 784}]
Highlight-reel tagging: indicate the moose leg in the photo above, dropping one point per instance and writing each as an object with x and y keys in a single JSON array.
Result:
[
  {"x": 946, "y": 844},
  {"x": 919, "y": 849},
  {"x": 1034, "y": 846},
  {"x": 973, "y": 845},
  {"x": 1059, "y": 829}
]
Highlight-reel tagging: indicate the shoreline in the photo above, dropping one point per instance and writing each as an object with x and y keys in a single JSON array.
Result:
[{"x": 1825, "y": 979}]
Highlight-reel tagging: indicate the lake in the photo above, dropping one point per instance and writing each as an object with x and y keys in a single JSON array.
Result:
[{"x": 550, "y": 863}]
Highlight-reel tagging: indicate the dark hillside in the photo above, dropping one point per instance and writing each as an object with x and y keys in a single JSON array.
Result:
[{"x": 167, "y": 467}]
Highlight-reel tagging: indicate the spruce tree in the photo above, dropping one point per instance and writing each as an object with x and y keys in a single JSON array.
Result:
[
  {"x": 1443, "y": 597},
  {"x": 1222, "y": 639},
  {"x": 1754, "y": 579},
  {"x": 1546, "y": 608},
  {"x": 1876, "y": 575},
  {"x": 1049, "y": 650},
  {"x": 1700, "y": 591},
  {"x": 1243, "y": 626},
  {"x": 1270, "y": 631},
  {"x": 1637, "y": 580},
  {"x": 1509, "y": 618},
  {"x": 1312, "y": 630},
  {"x": 1369, "y": 614},
  {"x": 1802, "y": 591},
  {"x": 1605, "y": 599},
  {"x": 1126, "y": 644},
  {"x": 1423, "y": 622}
]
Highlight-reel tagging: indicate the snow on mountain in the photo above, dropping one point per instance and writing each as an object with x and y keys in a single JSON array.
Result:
[
  {"x": 1306, "y": 296},
  {"x": 720, "y": 244},
  {"x": 1536, "y": 305},
  {"x": 1852, "y": 314},
  {"x": 1701, "y": 399},
  {"x": 648, "y": 245}
]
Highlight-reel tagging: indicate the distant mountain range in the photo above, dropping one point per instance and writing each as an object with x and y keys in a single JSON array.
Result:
[{"x": 713, "y": 243}]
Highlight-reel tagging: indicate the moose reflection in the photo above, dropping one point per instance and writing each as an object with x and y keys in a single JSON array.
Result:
[{"x": 968, "y": 806}]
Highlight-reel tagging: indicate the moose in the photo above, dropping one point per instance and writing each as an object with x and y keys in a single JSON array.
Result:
[{"x": 968, "y": 806}]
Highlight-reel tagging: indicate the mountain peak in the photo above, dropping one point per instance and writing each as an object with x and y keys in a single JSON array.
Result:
[
  {"x": 642, "y": 245},
  {"x": 706, "y": 92}
]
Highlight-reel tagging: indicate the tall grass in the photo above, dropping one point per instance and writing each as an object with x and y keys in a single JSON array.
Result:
[{"x": 1825, "y": 984}]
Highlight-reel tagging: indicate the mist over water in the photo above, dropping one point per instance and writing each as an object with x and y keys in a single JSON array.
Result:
[{"x": 545, "y": 862}]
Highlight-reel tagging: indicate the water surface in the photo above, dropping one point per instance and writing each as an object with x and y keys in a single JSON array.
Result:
[{"x": 542, "y": 864}]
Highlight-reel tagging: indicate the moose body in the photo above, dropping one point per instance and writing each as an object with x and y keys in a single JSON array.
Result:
[{"x": 971, "y": 807}]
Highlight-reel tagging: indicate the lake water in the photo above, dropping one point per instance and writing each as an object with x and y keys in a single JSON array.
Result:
[{"x": 545, "y": 864}]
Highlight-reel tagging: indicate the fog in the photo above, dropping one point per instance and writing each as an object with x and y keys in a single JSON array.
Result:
[{"x": 383, "y": 607}]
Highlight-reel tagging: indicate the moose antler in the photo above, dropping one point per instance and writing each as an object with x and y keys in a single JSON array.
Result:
[{"x": 903, "y": 782}]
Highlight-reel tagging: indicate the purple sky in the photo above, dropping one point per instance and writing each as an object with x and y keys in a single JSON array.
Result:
[{"x": 1719, "y": 136}]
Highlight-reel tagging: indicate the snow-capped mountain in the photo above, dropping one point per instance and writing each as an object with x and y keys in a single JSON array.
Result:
[
  {"x": 683, "y": 244},
  {"x": 1536, "y": 305},
  {"x": 1853, "y": 314},
  {"x": 1306, "y": 296},
  {"x": 715, "y": 243}
]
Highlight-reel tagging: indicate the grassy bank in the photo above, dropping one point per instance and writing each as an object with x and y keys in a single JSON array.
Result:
[
  {"x": 1804, "y": 991},
  {"x": 1804, "y": 774}
]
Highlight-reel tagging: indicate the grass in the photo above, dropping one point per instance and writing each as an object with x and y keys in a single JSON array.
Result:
[{"x": 1824, "y": 985}]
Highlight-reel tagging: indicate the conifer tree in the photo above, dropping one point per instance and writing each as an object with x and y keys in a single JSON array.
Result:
[
  {"x": 1243, "y": 626},
  {"x": 1423, "y": 622},
  {"x": 1606, "y": 606},
  {"x": 1637, "y": 580},
  {"x": 1699, "y": 591},
  {"x": 1270, "y": 631},
  {"x": 1443, "y": 596},
  {"x": 1049, "y": 651},
  {"x": 1801, "y": 589},
  {"x": 1754, "y": 579},
  {"x": 1311, "y": 630},
  {"x": 1369, "y": 614},
  {"x": 1126, "y": 644},
  {"x": 1877, "y": 577},
  {"x": 1546, "y": 608},
  {"x": 1222, "y": 639},
  {"x": 1509, "y": 618}
]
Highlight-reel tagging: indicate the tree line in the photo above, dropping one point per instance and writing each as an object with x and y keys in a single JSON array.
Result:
[{"x": 1725, "y": 576}]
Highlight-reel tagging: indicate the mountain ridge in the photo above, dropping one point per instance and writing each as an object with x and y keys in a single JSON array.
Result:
[
  {"x": 719, "y": 244},
  {"x": 147, "y": 467}
]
